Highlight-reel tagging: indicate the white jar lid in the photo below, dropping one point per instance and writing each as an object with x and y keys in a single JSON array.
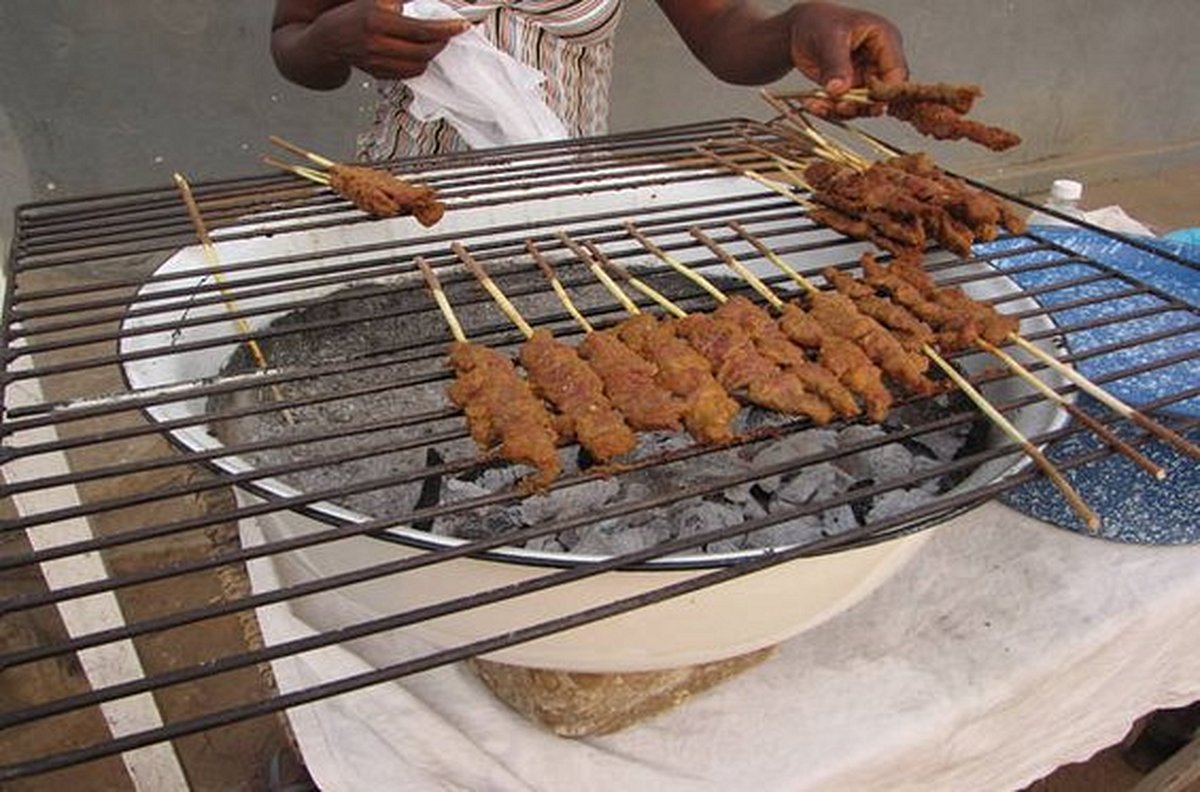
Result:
[{"x": 1066, "y": 190}]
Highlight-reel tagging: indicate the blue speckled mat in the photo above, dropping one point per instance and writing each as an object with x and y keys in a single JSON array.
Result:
[{"x": 1135, "y": 507}]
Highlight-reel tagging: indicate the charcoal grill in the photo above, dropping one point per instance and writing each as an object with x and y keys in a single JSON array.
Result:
[{"x": 118, "y": 337}]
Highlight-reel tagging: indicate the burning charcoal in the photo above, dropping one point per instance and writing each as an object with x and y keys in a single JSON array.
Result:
[
  {"x": 931, "y": 486},
  {"x": 880, "y": 464},
  {"x": 545, "y": 544},
  {"x": 838, "y": 520},
  {"x": 757, "y": 418},
  {"x": 701, "y": 516},
  {"x": 823, "y": 478},
  {"x": 740, "y": 493},
  {"x": 943, "y": 445},
  {"x": 653, "y": 443},
  {"x": 895, "y": 502},
  {"x": 753, "y": 509},
  {"x": 730, "y": 545},
  {"x": 796, "y": 446},
  {"x": 474, "y": 525},
  {"x": 500, "y": 477},
  {"x": 793, "y": 532},
  {"x": 569, "y": 500},
  {"x": 614, "y": 537},
  {"x": 455, "y": 490}
]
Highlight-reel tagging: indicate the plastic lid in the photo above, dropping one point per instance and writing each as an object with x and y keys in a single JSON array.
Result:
[{"x": 1066, "y": 190}]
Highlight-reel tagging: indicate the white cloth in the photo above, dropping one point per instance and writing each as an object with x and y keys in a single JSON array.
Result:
[
  {"x": 1004, "y": 649},
  {"x": 491, "y": 98}
]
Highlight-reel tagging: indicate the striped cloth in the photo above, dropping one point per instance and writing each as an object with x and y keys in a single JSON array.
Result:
[{"x": 570, "y": 41}]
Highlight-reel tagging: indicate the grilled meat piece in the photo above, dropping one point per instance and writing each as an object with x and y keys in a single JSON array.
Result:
[
  {"x": 912, "y": 333},
  {"x": 840, "y": 315},
  {"x": 943, "y": 123},
  {"x": 382, "y": 194},
  {"x": 774, "y": 344},
  {"x": 502, "y": 411},
  {"x": 958, "y": 97},
  {"x": 740, "y": 367},
  {"x": 841, "y": 356},
  {"x": 993, "y": 326},
  {"x": 708, "y": 411},
  {"x": 561, "y": 377},
  {"x": 630, "y": 382}
]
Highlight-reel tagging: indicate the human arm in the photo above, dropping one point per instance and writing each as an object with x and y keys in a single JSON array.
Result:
[
  {"x": 317, "y": 43},
  {"x": 835, "y": 46}
]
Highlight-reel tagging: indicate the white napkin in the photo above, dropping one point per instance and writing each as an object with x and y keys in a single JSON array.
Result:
[{"x": 489, "y": 97}]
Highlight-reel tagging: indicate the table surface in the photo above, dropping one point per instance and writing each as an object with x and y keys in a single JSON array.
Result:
[{"x": 1004, "y": 649}]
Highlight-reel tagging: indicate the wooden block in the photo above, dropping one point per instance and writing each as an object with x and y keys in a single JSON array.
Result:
[{"x": 574, "y": 704}]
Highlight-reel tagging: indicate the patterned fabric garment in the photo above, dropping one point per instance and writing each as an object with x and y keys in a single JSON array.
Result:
[{"x": 570, "y": 41}]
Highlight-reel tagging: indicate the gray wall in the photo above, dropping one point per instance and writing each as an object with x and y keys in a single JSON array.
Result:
[{"x": 99, "y": 95}]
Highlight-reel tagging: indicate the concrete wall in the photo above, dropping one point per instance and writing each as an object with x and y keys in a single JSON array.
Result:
[{"x": 99, "y": 95}]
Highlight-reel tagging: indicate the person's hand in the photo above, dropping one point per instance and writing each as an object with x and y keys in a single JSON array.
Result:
[
  {"x": 373, "y": 35},
  {"x": 839, "y": 48}
]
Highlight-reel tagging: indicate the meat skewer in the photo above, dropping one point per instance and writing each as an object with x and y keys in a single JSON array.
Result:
[
  {"x": 773, "y": 342},
  {"x": 501, "y": 409},
  {"x": 630, "y": 381},
  {"x": 841, "y": 356},
  {"x": 742, "y": 362},
  {"x": 1056, "y": 477},
  {"x": 378, "y": 193},
  {"x": 946, "y": 326},
  {"x": 562, "y": 378},
  {"x": 708, "y": 411}
]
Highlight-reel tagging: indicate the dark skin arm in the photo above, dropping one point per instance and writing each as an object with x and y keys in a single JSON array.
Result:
[
  {"x": 834, "y": 46},
  {"x": 318, "y": 43}
]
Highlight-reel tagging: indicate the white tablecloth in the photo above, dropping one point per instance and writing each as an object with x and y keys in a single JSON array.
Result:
[{"x": 1005, "y": 648}]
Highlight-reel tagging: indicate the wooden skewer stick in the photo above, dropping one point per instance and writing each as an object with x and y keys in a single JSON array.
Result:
[
  {"x": 645, "y": 288},
  {"x": 1089, "y": 517},
  {"x": 1102, "y": 431},
  {"x": 773, "y": 257},
  {"x": 214, "y": 265},
  {"x": 1120, "y": 407},
  {"x": 738, "y": 267},
  {"x": 822, "y": 143},
  {"x": 324, "y": 162},
  {"x": 548, "y": 270},
  {"x": 299, "y": 170},
  {"x": 854, "y": 94},
  {"x": 486, "y": 281},
  {"x": 786, "y": 166},
  {"x": 675, "y": 264},
  {"x": 764, "y": 181},
  {"x": 439, "y": 297},
  {"x": 594, "y": 265}
]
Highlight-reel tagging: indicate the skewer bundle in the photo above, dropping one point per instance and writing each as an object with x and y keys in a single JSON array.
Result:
[
  {"x": 937, "y": 110},
  {"x": 376, "y": 192}
]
